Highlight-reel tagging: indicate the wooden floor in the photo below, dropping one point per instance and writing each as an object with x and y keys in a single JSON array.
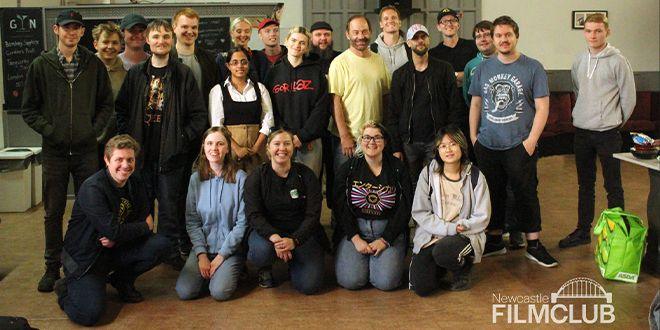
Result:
[{"x": 21, "y": 266}]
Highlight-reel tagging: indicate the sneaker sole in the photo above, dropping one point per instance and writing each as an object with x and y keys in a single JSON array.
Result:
[
  {"x": 532, "y": 258},
  {"x": 495, "y": 253}
]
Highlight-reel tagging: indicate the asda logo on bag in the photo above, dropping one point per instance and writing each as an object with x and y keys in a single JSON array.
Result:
[{"x": 579, "y": 300}]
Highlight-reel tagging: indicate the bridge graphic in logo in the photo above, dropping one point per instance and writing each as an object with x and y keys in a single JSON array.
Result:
[{"x": 581, "y": 288}]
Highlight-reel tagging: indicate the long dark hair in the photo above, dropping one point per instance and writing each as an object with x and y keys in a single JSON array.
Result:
[
  {"x": 455, "y": 134},
  {"x": 229, "y": 166}
]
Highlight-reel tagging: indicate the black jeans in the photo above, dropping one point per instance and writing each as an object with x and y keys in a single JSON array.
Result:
[
  {"x": 431, "y": 263},
  {"x": 169, "y": 189},
  {"x": 587, "y": 144},
  {"x": 416, "y": 155},
  {"x": 519, "y": 168},
  {"x": 56, "y": 171},
  {"x": 84, "y": 300}
]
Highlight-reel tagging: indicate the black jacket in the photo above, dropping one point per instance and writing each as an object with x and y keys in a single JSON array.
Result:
[
  {"x": 210, "y": 71},
  {"x": 184, "y": 114},
  {"x": 397, "y": 175},
  {"x": 96, "y": 213},
  {"x": 267, "y": 222},
  {"x": 70, "y": 116},
  {"x": 301, "y": 103},
  {"x": 447, "y": 105}
]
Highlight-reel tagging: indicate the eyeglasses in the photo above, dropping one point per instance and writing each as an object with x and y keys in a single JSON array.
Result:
[
  {"x": 448, "y": 145},
  {"x": 448, "y": 21},
  {"x": 368, "y": 138},
  {"x": 237, "y": 62}
]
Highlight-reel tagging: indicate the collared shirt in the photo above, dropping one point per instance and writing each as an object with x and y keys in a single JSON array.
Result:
[
  {"x": 249, "y": 94},
  {"x": 70, "y": 68}
]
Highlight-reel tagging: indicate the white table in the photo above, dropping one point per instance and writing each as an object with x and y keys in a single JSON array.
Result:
[{"x": 652, "y": 258}]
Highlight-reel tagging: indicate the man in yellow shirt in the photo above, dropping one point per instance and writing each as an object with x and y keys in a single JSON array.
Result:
[{"x": 359, "y": 83}]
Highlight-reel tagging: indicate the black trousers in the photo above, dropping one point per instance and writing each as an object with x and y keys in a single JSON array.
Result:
[
  {"x": 84, "y": 300},
  {"x": 432, "y": 263},
  {"x": 519, "y": 168},
  {"x": 416, "y": 155},
  {"x": 587, "y": 145},
  {"x": 56, "y": 171},
  {"x": 169, "y": 190}
]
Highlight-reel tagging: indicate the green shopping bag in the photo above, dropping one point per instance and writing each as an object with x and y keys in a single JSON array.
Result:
[{"x": 621, "y": 245}]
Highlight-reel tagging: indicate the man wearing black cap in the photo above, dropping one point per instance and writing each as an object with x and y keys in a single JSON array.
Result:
[
  {"x": 133, "y": 26},
  {"x": 457, "y": 51},
  {"x": 322, "y": 43},
  {"x": 67, "y": 99}
]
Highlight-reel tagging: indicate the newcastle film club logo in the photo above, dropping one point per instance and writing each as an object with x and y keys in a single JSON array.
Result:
[{"x": 578, "y": 301}]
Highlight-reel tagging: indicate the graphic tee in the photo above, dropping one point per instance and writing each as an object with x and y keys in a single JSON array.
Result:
[
  {"x": 508, "y": 92},
  {"x": 153, "y": 114},
  {"x": 372, "y": 197}
]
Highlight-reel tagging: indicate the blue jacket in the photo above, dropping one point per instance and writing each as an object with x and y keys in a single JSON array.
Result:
[{"x": 215, "y": 214}]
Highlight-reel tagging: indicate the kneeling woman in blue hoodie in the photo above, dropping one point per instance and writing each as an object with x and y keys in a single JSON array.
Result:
[
  {"x": 215, "y": 220},
  {"x": 452, "y": 210}
]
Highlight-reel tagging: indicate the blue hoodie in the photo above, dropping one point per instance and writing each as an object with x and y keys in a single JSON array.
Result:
[{"x": 215, "y": 214}]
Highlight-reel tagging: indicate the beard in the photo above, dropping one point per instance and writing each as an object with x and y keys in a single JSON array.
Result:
[
  {"x": 325, "y": 54},
  {"x": 421, "y": 52}
]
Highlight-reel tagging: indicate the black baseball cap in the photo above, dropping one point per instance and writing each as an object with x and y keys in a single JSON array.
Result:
[
  {"x": 320, "y": 25},
  {"x": 69, "y": 16},
  {"x": 132, "y": 20},
  {"x": 447, "y": 11}
]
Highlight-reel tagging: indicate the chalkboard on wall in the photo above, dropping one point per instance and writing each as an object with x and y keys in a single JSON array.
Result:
[{"x": 22, "y": 41}]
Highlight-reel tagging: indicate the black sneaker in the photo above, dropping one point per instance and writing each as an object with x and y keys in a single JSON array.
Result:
[
  {"x": 577, "y": 237},
  {"x": 127, "y": 292},
  {"x": 541, "y": 256},
  {"x": 266, "y": 278},
  {"x": 516, "y": 240},
  {"x": 493, "y": 248},
  {"x": 47, "y": 282},
  {"x": 461, "y": 278}
]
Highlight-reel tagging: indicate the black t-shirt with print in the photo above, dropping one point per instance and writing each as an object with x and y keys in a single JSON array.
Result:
[
  {"x": 372, "y": 197},
  {"x": 153, "y": 114}
]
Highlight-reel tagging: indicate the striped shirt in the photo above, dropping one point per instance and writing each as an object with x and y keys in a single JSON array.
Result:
[{"x": 70, "y": 68}]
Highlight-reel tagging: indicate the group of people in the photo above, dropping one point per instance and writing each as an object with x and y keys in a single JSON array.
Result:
[{"x": 233, "y": 148}]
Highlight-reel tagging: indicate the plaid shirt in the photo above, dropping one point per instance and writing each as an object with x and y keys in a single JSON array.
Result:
[{"x": 70, "y": 68}]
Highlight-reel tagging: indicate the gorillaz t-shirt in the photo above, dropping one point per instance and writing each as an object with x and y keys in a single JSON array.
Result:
[{"x": 508, "y": 92}]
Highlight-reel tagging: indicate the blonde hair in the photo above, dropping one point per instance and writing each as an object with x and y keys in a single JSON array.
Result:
[
  {"x": 238, "y": 20},
  {"x": 302, "y": 30},
  {"x": 106, "y": 28}
]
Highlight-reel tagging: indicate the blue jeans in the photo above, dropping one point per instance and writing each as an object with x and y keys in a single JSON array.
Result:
[
  {"x": 339, "y": 158},
  {"x": 312, "y": 158},
  {"x": 222, "y": 284},
  {"x": 84, "y": 300},
  {"x": 306, "y": 267},
  {"x": 354, "y": 269}
]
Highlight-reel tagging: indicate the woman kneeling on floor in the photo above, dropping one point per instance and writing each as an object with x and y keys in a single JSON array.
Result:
[
  {"x": 283, "y": 207},
  {"x": 452, "y": 210},
  {"x": 373, "y": 193},
  {"x": 215, "y": 220}
]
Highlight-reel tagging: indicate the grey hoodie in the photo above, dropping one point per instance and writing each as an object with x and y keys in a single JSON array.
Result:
[
  {"x": 427, "y": 211},
  {"x": 605, "y": 90},
  {"x": 394, "y": 56}
]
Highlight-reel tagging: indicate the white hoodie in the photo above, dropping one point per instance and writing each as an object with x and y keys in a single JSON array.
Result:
[
  {"x": 394, "y": 56},
  {"x": 605, "y": 88}
]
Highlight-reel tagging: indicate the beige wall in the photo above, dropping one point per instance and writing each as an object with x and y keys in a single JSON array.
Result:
[{"x": 546, "y": 34}]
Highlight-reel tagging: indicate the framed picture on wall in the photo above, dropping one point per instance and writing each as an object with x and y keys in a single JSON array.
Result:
[{"x": 579, "y": 16}]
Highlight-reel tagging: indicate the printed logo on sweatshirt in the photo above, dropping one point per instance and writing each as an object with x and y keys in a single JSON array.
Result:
[
  {"x": 504, "y": 98},
  {"x": 294, "y": 86},
  {"x": 124, "y": 210}
]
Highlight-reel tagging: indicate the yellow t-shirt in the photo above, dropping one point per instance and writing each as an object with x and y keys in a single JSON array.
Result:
[{"x": 361, "y": 83}]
